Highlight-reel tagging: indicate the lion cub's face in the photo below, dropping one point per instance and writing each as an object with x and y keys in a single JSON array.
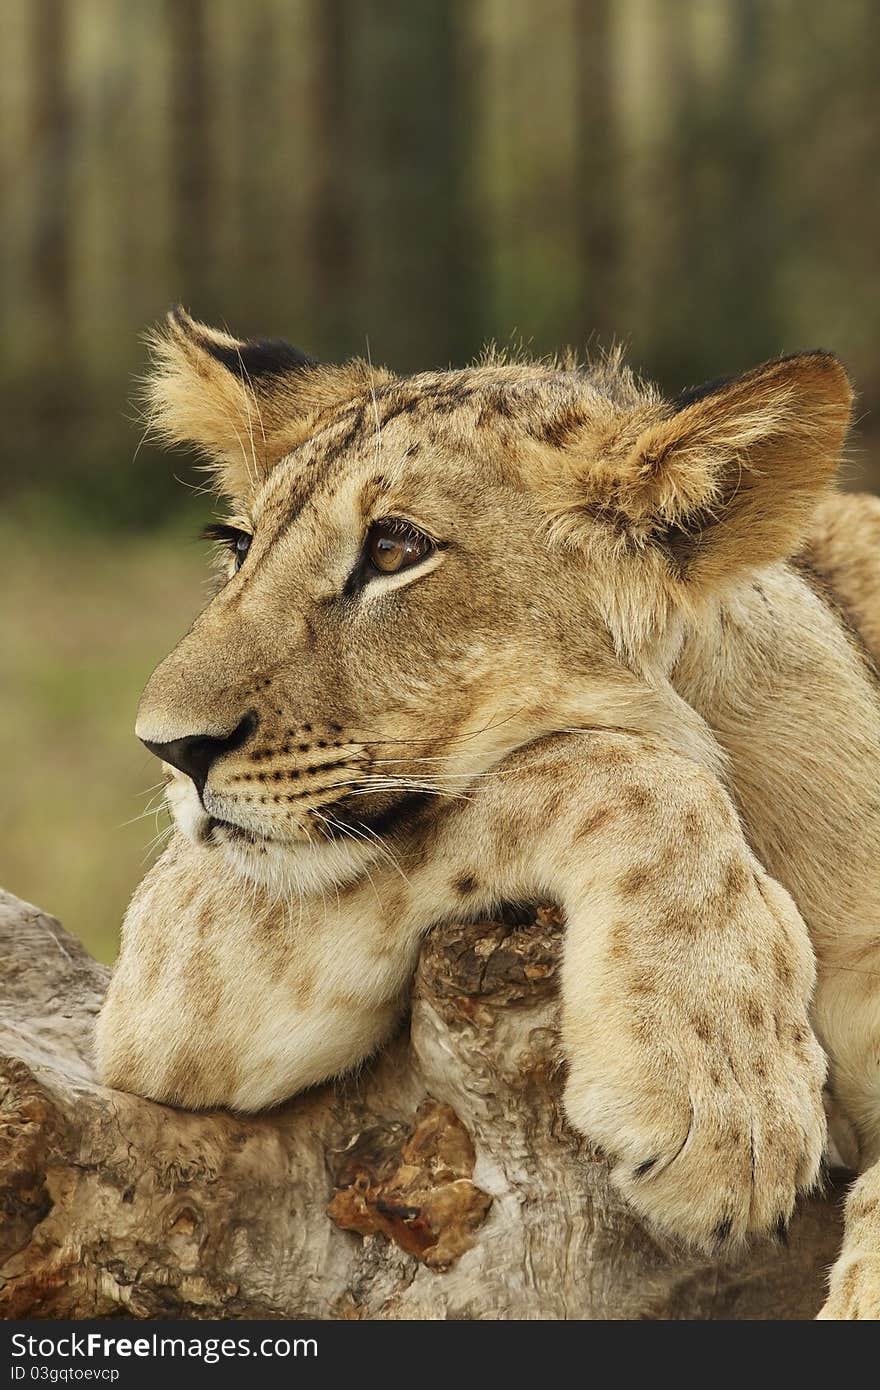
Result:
[
  {"x": 426, "y": 573},
  {"x": 387, "y": 626}
]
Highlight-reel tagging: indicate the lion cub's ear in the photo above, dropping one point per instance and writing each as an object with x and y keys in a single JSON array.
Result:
[
  {"x": 729, "y": 480},
  {"x": 242, "y": 404},
  {"x": 670, "y": 503}
]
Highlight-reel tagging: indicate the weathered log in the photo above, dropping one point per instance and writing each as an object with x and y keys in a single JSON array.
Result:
[{"x": 441, "y": 1182}]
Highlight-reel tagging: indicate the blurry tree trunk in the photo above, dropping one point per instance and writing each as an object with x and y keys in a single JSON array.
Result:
[
  {"x": 749, "y": 200},
  {"x": 441, "y": 1183},
  {"x": 52, "y": 134},
  {"x": 721, "y": 208},
  {"x": 191, "y": 151},
  {"x": 335, "y": 225},
  {"x": 597, "y": 174},
  {"x": 409, "y": 155}
]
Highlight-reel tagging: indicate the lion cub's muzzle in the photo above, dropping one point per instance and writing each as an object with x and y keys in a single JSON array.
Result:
[{"x": 195, "y": 754}]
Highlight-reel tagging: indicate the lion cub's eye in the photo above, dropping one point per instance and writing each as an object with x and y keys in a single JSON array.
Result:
[
  {"x": 235, "y": 540},
  {"x": 394, "y": 545},
  {"x": 242, "y": 546}
]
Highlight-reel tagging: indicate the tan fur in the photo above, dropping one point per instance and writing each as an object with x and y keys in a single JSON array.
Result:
[{"x": 610, "y": 650}]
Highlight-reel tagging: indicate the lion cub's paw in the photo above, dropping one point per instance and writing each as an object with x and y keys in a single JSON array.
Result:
[
  {"x": 708, "y": 1147},
  {"x": 854, "y": 1289}
]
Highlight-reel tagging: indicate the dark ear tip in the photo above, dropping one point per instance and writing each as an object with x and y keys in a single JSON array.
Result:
[
  {"x": 819, "y": 361},
  {"x": 826, "y": 371},
  {"x": 179, "y": 319},
  {"x": 261, "y": 357},
  {"x": 811, "y": 357},
  {"x": 813, "y": 352}
]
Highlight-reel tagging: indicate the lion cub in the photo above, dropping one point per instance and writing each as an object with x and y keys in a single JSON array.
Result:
[{"x": 520, "y": 631}]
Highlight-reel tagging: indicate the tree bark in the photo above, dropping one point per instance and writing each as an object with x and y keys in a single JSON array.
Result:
[{"x": 441, "y": 1182}]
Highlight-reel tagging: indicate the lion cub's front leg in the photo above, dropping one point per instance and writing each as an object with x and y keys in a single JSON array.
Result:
[
  {"x": 686, "y": 982},
  {"x": 854, "y": 1292},
  {"x": 685, "y": 989}
]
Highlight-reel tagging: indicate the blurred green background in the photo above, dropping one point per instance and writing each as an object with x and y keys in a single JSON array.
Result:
[{"x": 697, "y": 178}]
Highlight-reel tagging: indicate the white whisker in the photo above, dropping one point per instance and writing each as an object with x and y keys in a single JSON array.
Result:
[
  {"x": 375, "y": 402},
  {"x": 344, "y": 830}
]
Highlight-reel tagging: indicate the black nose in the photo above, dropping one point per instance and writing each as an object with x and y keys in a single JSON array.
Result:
[{"x": 195, "y": 754}]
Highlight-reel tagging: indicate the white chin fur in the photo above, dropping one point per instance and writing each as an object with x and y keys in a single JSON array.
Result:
[
  {"x": 302, "y": 869},
  {"x": 282, "y": 868},
  {"x": 187, "y": 811}
]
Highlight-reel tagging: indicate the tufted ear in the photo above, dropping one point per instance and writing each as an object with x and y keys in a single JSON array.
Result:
[
  {"x": 727, "y": 477},
  {"x": 730, "y": 480},
  {"x": 242, "y": 404},
  {"x": 672, "y": 502}
]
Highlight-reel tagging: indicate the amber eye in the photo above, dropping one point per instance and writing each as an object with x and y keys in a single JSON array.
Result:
[{"x": 393, "y": 546}]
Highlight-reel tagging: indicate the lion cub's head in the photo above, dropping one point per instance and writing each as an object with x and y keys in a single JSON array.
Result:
[{"x": 425, "y": 572}]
